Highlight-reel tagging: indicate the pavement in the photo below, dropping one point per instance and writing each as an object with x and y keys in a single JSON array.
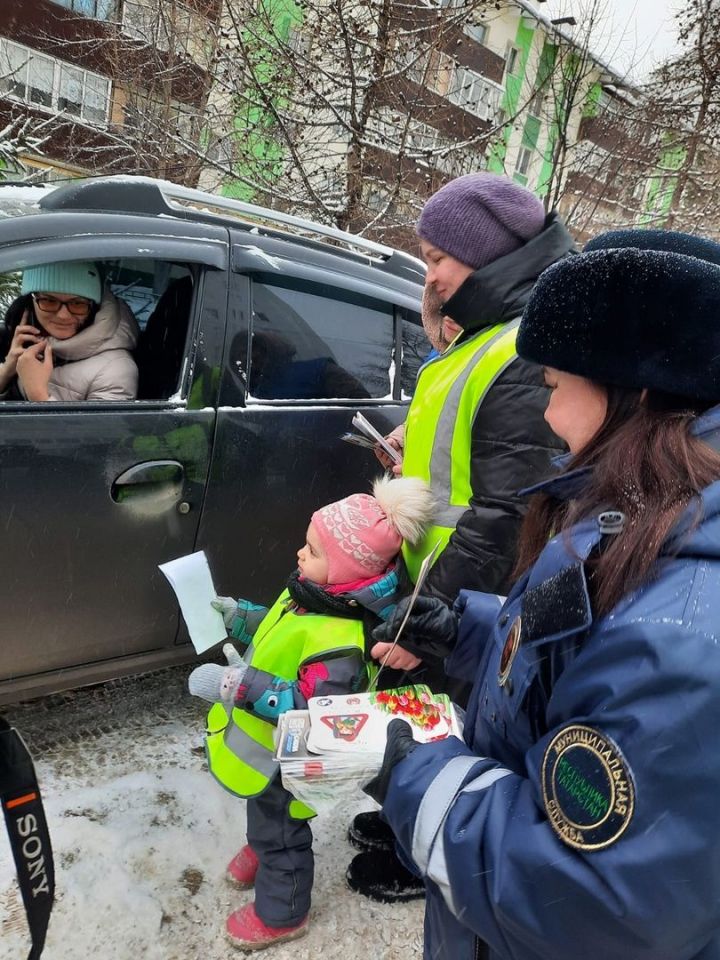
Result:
[{"x": 141, "y": 836}]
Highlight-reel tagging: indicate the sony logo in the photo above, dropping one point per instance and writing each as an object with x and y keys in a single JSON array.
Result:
[{"x": 31, "y": 848}]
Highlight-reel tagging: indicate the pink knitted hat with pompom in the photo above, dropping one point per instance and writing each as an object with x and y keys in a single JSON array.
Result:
[{"x": 357, "y": 538}]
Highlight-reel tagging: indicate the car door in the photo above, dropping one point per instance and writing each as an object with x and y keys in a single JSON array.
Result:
[
  {"x": 95, "y": 495},
  {"x": 308, "y": 344}
]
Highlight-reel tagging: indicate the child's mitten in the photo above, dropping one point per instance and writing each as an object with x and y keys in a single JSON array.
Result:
[
  {"x": 215, "y": 683},
  {"x": 241, "y": 617}
]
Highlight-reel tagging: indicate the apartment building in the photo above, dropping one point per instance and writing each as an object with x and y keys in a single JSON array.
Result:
[
  {"x": 111, "y": 85},
  {"x": 457, "y": 88}
]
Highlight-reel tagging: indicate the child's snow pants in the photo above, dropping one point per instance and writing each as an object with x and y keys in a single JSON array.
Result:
[{"x": 284, "y": 848}]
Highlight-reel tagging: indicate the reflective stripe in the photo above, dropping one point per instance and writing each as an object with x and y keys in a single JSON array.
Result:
[
  {"x": 250, "y": 751},
  {"x": 437, "y": 867},
  {"x": 435, "y": 804},
  {"x": 439, "y": 428},
  {"x": 440, "y": 796},
  {"x": 441, "y": 456},
  {"x": 486, "y": 780},
  {"x": 437, "y": 872}
]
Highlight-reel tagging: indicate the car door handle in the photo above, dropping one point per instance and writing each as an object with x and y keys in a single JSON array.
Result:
[{"x": 164, "y": 476}]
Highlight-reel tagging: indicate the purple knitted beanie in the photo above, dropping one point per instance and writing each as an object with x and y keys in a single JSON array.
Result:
[{"x": 480, "y": 217}]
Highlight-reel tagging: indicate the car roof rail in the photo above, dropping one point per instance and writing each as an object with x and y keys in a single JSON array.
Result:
[{"x": 148, "y": 196}]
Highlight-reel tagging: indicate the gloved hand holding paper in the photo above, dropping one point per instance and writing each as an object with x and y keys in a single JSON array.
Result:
[{"x": 191, "y": 580}]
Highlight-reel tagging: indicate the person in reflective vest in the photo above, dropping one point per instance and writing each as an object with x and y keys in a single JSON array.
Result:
[
  {"x": 578, "y": 818},
  {"x": 485, "y": 240},
  {"x": 475, "y": 429},
  {"x": 311, "y": 642}
]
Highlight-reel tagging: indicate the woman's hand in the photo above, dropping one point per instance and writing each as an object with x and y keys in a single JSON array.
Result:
[
  {"x": 399, "y": 659},
  {"x": 25, "y": 335},
  {"x": 34, "y": 371},
  {"x": 395, "y": 439}
]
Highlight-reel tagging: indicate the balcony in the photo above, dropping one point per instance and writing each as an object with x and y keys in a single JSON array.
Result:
[{"x": 94, "y": 9}]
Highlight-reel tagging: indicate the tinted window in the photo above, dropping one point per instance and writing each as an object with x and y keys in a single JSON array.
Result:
[
  {"x": 315, "y": 343},
  {"x": 415, "y": 350}
]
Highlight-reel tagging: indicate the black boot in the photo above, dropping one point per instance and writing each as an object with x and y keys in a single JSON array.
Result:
[
  {"x": 379, "y": 875},
  {"x": 369, "y": 831}
]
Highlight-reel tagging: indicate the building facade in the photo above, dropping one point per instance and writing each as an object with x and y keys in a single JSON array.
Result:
[{"x": 110, "y": 86}]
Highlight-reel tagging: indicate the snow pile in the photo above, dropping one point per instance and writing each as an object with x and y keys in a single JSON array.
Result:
[
  {"x": 25, "y": 193},
  {"x": 141, "y": 836}
]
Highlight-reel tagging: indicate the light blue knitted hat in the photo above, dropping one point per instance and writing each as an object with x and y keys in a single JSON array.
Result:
[{"x": 80, "y": 278}]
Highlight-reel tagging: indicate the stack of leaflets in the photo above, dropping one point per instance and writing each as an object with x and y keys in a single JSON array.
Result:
[
  {"x": 327, "y": 752},
  {"x": 369, "y": 437}
]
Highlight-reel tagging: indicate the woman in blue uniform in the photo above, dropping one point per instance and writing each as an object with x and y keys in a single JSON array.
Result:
[{"x": 579, "y": 819}]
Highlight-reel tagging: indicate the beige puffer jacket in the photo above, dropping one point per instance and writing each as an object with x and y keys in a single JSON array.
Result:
[{"x": 96, "y": 364}]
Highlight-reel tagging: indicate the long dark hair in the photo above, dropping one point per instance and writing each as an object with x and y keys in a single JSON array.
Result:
[
  {"x": 13, "y": 316},
  {"x": 645, "y": 462}
]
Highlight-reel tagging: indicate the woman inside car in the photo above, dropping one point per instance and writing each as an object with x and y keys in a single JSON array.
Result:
[{"x": 66, "y": 338}]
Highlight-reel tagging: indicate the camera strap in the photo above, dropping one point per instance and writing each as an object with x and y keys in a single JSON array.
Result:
[{"x": 28, "y": 833}]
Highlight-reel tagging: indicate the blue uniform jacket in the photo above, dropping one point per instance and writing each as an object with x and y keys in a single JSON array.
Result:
[{"x": 580, "y": 819}]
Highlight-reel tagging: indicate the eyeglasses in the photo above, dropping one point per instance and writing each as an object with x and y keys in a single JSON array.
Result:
[{"x": 78, "y": 307}]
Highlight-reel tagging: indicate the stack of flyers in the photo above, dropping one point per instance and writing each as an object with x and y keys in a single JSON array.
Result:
[
  {"x": 321, "y": 782},
  {"x": 369, "y": 437},
  {"x": 327, "y": 752},
  {"x": 357, "y": 723}
]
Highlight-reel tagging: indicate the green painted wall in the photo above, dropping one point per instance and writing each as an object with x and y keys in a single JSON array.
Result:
[
  {"x": 560, "y": 109},
  {"x": 253, "y": 123},
  {"x": 661, "y": 187},
  {"x": 511, "y": 98},
  {"x": 592, "y": 101}
]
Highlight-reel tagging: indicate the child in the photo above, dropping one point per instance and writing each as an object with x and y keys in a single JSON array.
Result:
[{"x": 311, "y": 642}]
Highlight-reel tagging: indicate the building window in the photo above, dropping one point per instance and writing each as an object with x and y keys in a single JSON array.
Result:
[
  {"x": 639, "y": 190},
  {"x": 97, "y": 9},
  {"x": 51, "y": 84},
  {"x": 474, "y": 93},
  {"x": 523, "y": 161},
  {"x": 146, "y": 115},
  {"x": 535, "y": 105},
  {"x": 478, "y": 32},
  {"x": 163, "y": 26},
  {"x": 512, "y": 61}
]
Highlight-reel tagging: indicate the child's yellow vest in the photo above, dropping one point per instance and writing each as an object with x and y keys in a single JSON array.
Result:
[{"x": 239, "y": 745}]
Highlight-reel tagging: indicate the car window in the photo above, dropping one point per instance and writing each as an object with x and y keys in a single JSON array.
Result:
[
  {"x": 159, "y": 295},
  {"x": 317, "y": 342},
  {"x": 141, "y": 283},
  {"x": 9, "y": 290},
  {"x": 415, "y": 350}
]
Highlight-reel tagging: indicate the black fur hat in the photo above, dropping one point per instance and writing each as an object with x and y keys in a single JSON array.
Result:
[
  {"x": 670, "y": 240},
  {"x": 630, "y": 317}
]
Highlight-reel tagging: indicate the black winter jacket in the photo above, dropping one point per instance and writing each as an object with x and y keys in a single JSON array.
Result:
[{"x": 511, "y": 444}]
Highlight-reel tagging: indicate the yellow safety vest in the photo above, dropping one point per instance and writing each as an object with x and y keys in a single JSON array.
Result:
[
  {"x": 239, "y": 745},
  {"x": 438, "y": 428}
]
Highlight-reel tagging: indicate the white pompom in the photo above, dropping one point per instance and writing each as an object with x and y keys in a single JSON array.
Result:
[{"x": 407, "y": 503}]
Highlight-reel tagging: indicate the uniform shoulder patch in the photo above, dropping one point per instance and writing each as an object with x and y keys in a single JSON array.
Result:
[{"x": 588, "y": 788}]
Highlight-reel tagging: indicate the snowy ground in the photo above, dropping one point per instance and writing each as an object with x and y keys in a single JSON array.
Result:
[{"x": 141, "y": 836}]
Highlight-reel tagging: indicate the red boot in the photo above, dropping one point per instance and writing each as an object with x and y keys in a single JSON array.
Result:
[
  {"x": 246, "y": 930},
  {"x": 242, "y": 868}
]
